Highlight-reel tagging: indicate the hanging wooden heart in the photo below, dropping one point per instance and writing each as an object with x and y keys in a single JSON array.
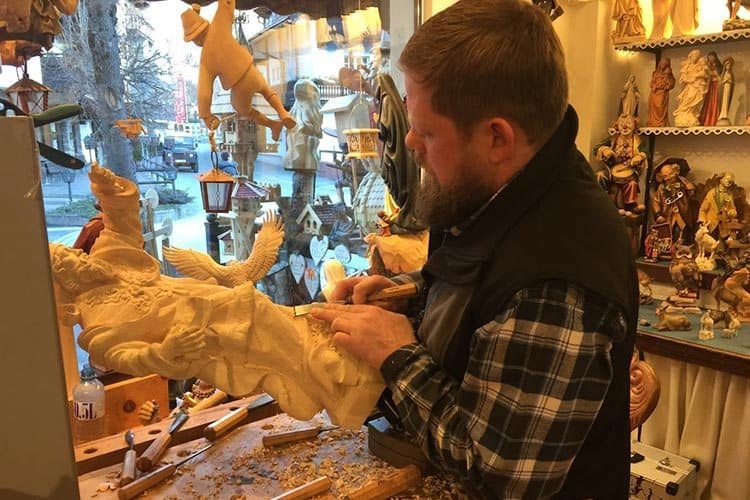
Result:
[
  {"x": 297, "y": 266},
  {"x": 318, "y": 248},
  {"x": 312, "y": 279}
]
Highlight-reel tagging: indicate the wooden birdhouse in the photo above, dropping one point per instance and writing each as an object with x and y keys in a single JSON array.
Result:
[
  {"x": 317, "y": 219},
  {"x": 227, "y": 242}
]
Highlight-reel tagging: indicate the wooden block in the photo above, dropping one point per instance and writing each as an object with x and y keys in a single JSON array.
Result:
[{"x": 124, "y": 398}]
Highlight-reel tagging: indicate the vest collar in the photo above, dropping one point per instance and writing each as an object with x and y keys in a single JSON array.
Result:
[{"x": 457, "y": 260}]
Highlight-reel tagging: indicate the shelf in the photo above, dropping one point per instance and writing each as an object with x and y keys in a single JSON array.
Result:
[
  {"x": 732, "y": 130},
  {"x": 683, "y": 41}
]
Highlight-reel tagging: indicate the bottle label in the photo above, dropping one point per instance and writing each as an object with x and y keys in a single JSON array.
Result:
[{"x": 85, "y": 410}]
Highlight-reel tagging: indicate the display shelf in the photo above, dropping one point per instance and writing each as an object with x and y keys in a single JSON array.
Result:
[
  {"x": 724, "y": 354},
  {"x": 733, "y": 130},
  {"x": 683, "y": 41},
  {"x": 659, "y": 273}
]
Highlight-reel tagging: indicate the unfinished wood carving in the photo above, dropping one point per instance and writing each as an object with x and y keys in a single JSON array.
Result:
[{"x": 137, "y": 321}]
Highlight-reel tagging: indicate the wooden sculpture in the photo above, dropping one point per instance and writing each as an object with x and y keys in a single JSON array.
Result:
[
  {"x": 694, "y": 78},
  {"x": 662, "y": 81},
  {"x": 138, "y": 322},
  {"x": 222, "y": 56}
]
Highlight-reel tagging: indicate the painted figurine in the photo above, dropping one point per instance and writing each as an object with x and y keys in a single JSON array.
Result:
[
  {"x": 685, "y": 275},
  {"x": 735, "y": 22},
  {"x": 718, "y": 209},
  {"x": 706, "y": 331},
  {"x": 731, "y": 290},
  {"x": 694, "y": 76},
  {"x": 727, "y": 91},
  {"x": 706, "y": 245},
  {"x": 223, "y": 57},
  {"x": 711, "y": 103},
  {"x": 138, "y": 322},
  {"x": 670, "y": 321},
  {"x": 672, "y": 199},
  {"x": 630, "y": 98},
  {"x": 662, "y": 81}
]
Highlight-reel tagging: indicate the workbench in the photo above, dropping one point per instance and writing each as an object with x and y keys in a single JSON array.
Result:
[{"x": 239, "y": 467}]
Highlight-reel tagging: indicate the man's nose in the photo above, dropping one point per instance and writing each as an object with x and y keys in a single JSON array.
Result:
[{"x": 412, "y": 141}]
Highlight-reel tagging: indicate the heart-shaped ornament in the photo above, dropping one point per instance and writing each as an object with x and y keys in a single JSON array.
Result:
[
  {"x": 318, "y": 248},
  {"x": 297, "y": 266},
  {"x": 312, "y": 279}
]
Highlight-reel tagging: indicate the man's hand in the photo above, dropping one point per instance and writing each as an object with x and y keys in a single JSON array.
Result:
[
  {"x": 212, "y": 122},
  {"x": 187, "y": 344},
  {"x": 357, "y": 290},
  {"x": 369, "y": 333}
]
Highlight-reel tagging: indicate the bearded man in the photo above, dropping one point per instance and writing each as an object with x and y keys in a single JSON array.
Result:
[{"x": 516, "y": 378}]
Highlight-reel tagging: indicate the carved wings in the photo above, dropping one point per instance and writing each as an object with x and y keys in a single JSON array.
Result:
[{"x": 200, "y": 266}]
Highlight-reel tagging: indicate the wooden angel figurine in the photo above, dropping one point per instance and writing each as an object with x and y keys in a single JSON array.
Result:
[
  {"x": 224, "y": 57},
  {"x": 628, "y": 23},
  {"x": 694, "y": 78},
  {"x": 662, "y": 81}
]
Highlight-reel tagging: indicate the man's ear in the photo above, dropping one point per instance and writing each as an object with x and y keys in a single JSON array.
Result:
[{"x": 502, "y": 140}]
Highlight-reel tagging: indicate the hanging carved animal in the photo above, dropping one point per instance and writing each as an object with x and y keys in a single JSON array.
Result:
[{"x": 200, "y": 266}]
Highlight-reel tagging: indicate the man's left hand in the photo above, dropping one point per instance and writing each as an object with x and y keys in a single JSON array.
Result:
[{"x": 369, "y": 333}]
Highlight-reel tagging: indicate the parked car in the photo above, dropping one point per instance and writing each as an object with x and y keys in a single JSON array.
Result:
[{"x": 180, "y": 152}]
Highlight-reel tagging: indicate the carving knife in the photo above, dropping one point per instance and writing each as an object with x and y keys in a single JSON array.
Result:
[
  {"x": 391, "y": 292},
  {"x": 153, "y": 478},
  {"x": 279, "y": 438},
  {"x": 234, "y": 418},
  {"x": 159, "y": 445}
]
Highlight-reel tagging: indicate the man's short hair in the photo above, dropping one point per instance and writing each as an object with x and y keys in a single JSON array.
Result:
[
  {"x": 485, "y": 58},
  {"x": 224, "y": 155}
]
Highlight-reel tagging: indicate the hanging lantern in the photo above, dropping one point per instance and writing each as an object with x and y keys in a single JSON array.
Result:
[
  {"x": 216, "y": 190},
  {"x": 362, "y": 142},
  {"x": 29, "y": 95}
]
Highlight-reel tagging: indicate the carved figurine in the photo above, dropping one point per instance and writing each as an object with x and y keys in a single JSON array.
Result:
[
  {"x": 670, "y": 321},
  {"x": 706, "y": 246},
  {"x": 222, "y": 56},
  {"x": 630, "y": 98},
  {"x": 200, "y": 266},
  {"x": 686, "y": 277},
  {"x": 302, "y": 140},
  {"x": 718, "y": 209},
  {"x": 711, "y": 103},
  {"x": 731, "y": 290},
  {"x": 694, "y": 76},
  {"x": 662, "y": 81},
  {"x": 735, "y": 22},
  {"x": 672, "y": 201},
  {"x": 706, "y": 331},
  {"x": 138, "y": 322},
  {"x": 727, "y": 91},
  {"x": 682, "y": 13},
  {"x": 27, "y": 26},
  {"x": 731, "y": 323},
  {"x": 628, "y": 22},
  {"x": 652, "y": 251}
]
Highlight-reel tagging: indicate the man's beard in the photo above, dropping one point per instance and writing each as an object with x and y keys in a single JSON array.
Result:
[{"x": 446, "y": 206}]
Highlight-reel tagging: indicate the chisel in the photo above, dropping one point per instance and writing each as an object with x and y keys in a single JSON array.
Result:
[
  {"x": 280, "y": 438},
  {"x": 153, "y": 478},
  {"x": 234, "y": 418},
  {"x": 389, "y": 485},
  {"x": 389, "y": 293},
  {"x": 128, "y": 464},
  {"x": 159, "y": 445}
]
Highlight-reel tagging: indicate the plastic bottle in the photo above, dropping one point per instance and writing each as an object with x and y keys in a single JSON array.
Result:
[{"x": 88, "y": 407}]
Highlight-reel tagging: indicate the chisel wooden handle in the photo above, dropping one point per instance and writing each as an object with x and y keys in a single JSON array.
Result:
[
  {"x": 214, "y": 399},
  {"x": 128, "y": 468},
  {"x": 307, "y": 490},
  {"x": 154, "y": 452},
  {"x": 394, "y": 292},
  {"x": 145, "y": 482},
  {"x": 225, "y": 423},
  {"x": 280, "y": 438},
  {"x": 392, "y": 484}
]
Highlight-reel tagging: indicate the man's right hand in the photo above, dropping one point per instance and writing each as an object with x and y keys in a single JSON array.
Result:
[
  {"x": 187, "y": 344},
  {"x": 357, "y": 290}
]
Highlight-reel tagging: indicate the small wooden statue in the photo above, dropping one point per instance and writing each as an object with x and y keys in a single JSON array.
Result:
[
  {"x": 224, "y": 57},
  {"x": 628, "y": 22},
  {"x": 662, "y": 81},
  {"x": 707, "y": 327},
  {"x": 670, "y": 321},
  {"x": 727, "y": 91},
  {"x": 694, "y": 78},
  {"x": 718, "y": 208},
  {"x": 672, "y": 201},
  {"x": 735, "y": 22},
  {"x": 732, "y": 292}
]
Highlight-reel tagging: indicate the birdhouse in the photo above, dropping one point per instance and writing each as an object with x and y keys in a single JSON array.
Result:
[
  {"x": 362, "y": 142},
  {"x": 227, "y": 242},
  {"x": 247, "y": 196},
  {"x": 317, "y": 219}
]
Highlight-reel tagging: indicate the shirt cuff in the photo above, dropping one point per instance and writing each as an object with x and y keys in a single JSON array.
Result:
[{"x": 397, "y": 361}]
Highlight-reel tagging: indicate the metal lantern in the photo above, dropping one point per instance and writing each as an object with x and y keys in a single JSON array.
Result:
[
  {"x": 216, "y": 190},
  {"x": 29, "y": 95}
]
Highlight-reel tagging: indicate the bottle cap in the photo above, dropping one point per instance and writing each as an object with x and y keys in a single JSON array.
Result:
[{"x": 88, "y": 373}]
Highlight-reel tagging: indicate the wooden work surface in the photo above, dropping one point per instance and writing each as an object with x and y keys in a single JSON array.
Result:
[{"x": 238, "y": 467}]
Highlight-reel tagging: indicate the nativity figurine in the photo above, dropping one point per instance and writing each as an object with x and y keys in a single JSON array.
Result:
[
  {"x": 662, "y": 81},
  {"x": 731, "y": 291},
  {"x": 727, "y": 92},
  {"x": 222, "y": 56},
  {"x": 683, "y": 15},
  {"x": 734, "y": 22},
  {"x": 706, "y": 331},
  {"x": 137, "y": 321},
  {"x": 718, "y": 209},
  {"x": 706, "y": 245},
  {"x": 711, "y": 102},
  {"x": 671, "y": 321},
  {"x": 672, "y": 204},
  {"x": 628, "y": 21},
  {"x": 630, "y": 98},
  {"x": 686, "y": 277},
  {"x": 694, "y": 77}
]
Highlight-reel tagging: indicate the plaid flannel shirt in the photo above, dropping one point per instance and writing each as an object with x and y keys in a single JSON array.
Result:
[{"x": 535, "y": 380}]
